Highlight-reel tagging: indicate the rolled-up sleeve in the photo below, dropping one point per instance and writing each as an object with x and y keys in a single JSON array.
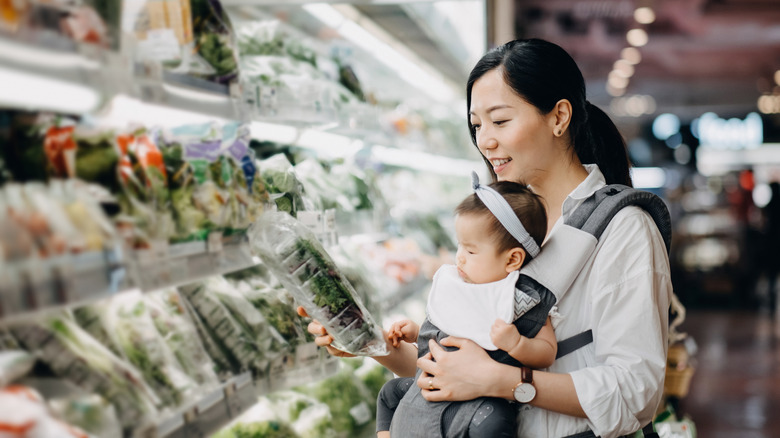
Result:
[{"x": 629, "y": 312}]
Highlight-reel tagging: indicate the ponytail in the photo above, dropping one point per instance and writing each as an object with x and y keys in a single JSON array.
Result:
[
  {"x": 598, "y": 141},
  {"x": 542, "y": 73}
]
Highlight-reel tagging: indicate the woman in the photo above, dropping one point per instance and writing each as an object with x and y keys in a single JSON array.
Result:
[{"x": 529, "y": 118}]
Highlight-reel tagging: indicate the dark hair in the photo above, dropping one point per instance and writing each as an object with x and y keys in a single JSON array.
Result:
[
  {"x": 526, "y": 204},
  {"x": 542, "y": 73}
]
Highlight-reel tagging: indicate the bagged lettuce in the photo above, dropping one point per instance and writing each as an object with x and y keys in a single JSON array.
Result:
[
  {"x": 132, "y": 330},
  {"x": 295, "y": 256},
  {"x": 73, "y": 354},
  {"x": 174, "y": 324}
]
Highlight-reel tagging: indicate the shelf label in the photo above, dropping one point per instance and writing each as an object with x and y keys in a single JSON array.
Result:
[
  {"x": 361, "y": 413},
  {"x": 215, "y": 241},
  {"x": 312, "y": 219},
  {"x": 306, "y": 355}
]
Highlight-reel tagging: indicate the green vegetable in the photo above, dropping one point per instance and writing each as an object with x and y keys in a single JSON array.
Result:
[{"x": 96, "y": 161}]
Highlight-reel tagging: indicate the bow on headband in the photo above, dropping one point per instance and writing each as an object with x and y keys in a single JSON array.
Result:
[{"x": 505, "y": 215}]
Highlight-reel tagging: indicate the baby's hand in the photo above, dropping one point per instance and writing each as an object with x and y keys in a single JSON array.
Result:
[
  {"x": 505, "y": 336},
  {"x": 404, "y": 330}
]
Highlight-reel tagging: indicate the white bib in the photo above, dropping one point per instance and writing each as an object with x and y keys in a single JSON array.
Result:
[{"x": 469, "y": 310}]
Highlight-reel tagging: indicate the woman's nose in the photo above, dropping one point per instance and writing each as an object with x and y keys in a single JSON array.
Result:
[{"x": 485, "y": 141}]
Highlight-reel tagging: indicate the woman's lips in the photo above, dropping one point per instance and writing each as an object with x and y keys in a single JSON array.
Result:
[{"x": 500, "y": 164}]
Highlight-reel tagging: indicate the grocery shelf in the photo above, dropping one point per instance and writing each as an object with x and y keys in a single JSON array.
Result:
[
  {"x": 182, "y": 263},
  {"x": 35, "y": 287},
  {"x": 219, "y": 406}
]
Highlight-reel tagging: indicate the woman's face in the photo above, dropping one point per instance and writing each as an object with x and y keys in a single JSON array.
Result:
[{"x": 510, "y": 132}]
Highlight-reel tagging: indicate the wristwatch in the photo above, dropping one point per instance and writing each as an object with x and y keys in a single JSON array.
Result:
[{"x": 525, "y": 391}]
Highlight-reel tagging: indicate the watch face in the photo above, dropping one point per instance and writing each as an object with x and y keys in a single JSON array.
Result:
[{"x": 525, "y": 392}]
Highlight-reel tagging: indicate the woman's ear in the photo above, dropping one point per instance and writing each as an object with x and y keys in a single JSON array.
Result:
[
  {"x": 561, "y": 117},
  {"x": 514, "y": 259}
]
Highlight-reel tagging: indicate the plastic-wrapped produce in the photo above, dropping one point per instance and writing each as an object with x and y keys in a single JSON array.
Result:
[
  {"x": 132, "y": 330},
  {"x": 301, "y": 264},
  {"x": 282, "y": 183},
  {"x": 277, "y": 307},
  {"x": 233, "y": 338},
  {"x": 74, "y": 355},
  {"x": 23, "y": 412},
  {"x": 167, "y": 310}
]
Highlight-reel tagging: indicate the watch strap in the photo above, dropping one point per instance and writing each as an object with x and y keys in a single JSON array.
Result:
[{"x": 527, "y": 375}]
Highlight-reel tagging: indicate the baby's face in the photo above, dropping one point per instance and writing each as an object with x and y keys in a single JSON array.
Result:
[{"x": 478, "y": 259}]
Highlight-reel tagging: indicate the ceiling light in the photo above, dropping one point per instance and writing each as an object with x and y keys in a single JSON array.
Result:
[
  {"x": 617, "y": 80},
  {"x": 624, "y": 68},
  {"x": 644, "y": 15},
  {"x": 777, "y": 77},
  {"x": 631, "y": 54},
  {"x": 615, "y": 92},
  {"x": 637, "y": 37}
]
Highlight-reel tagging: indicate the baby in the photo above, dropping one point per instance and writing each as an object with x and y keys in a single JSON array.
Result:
[{"x": 499, "y": 229}]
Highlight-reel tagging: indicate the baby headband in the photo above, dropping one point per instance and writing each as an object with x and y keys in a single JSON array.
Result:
[{"x": 504, "y": 213}]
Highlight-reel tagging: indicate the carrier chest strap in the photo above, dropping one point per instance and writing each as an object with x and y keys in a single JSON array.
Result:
[{"x": 574, "y": 343}]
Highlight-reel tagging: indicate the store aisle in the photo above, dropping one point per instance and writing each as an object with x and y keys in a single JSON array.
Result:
[{"x": 735, "y": 391}]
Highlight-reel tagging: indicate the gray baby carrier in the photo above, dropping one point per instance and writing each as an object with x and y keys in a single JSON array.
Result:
[{"x": 553, "y": 270}]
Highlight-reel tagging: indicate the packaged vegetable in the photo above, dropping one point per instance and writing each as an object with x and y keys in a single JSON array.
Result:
[
  {"x": 144, "y": 197},
  {"x": 23, "y": 412},
  {"x": 174, "y": 324},
  {"x": 132, "y": 330},
  {"x": 298, "y": 260},
  {"x": 13, "y": 365},
  {"x": 215, "y": 40},
  {"x": 162, "y": 29},
  {"x": 282, "y": 183},
  {"x": 73, "y": 354},
  {"x": 237, "y": 342}
]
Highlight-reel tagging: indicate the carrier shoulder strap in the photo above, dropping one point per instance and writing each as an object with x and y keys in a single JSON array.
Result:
[{"x": 594, "y": 215}]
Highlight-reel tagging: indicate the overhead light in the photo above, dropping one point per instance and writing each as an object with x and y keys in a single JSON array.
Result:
[
  {"x": 631, "y": 54},
  {"x": 644, "y": 15},
  {"x": 386, "y": 50},
  {"x": 123, "y": 111},
  {"x": 422, "y": 161},
  {"x": 637, "y": 37},
  {"x": 617, "y": 80},
  {"x": 36, "y": 92},
  {"x": 624, "y": 68},
  {"x": 615, "y": 92},
  {"x": 777, "y": 77},
  {"x": 648, "y": 177},
  {"x": 273, "y": 132}
]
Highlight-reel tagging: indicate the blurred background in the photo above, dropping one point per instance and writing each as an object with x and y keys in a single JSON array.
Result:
[{"x": 140, "y": 139}]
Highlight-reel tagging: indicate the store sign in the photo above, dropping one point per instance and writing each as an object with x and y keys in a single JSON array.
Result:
[{"x": 717, "y": 133}]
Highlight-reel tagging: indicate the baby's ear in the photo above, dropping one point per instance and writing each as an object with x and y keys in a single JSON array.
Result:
[{"x": 514, "y": 259}]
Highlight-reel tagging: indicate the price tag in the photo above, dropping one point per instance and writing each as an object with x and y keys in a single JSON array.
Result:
[
  {"x": 306, "y": 355},
  {"x": 312, "y": 219},
  {"x": 361, "y": 413},
  {"x": 214, "y": 241},
  {"x": 329, "y": 220}
]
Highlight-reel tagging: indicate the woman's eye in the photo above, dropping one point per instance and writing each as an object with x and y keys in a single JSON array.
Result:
[
  {"x": 499, "y": 122},
  {"x": 475, "y": 126}
]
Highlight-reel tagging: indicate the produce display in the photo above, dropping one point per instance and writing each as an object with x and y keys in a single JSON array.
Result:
[{"x": 298, "y": 260}]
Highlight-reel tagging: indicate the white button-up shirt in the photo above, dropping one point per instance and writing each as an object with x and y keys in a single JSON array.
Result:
[{"x": 623, "y": 294}]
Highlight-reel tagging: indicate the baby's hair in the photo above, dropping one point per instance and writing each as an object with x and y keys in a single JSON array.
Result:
[{"x": 526, "y": 204}]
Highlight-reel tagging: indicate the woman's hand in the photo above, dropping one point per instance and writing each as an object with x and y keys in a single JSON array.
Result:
[
  {"x": 459, "y": 375},
  {"x": 322, "y": 339}
]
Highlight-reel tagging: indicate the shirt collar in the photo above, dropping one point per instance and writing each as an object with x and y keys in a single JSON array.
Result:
[{"x": 594, "y": 181}]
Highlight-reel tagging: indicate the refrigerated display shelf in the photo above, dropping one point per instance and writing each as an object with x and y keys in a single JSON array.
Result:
[{"x": 35, "y": 287}]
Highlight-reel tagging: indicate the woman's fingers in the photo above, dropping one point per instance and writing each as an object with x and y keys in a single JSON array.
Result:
[{"x": 301, "y": 311}]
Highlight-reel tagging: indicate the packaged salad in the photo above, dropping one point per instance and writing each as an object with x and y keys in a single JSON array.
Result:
[{"x": 298, "y": 260}]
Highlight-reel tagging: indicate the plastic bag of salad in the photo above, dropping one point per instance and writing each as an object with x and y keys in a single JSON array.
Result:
[
  {"x": 144, "y": 198},
  {"x": 74, "y": 355},
  {"x": 174, "y": 324},
  {"x": 302, "y": 265},
  {"x": 215, "y": 43},
  {"x": 132, "y": 329},
  {"x": 162, "y": 29}
]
